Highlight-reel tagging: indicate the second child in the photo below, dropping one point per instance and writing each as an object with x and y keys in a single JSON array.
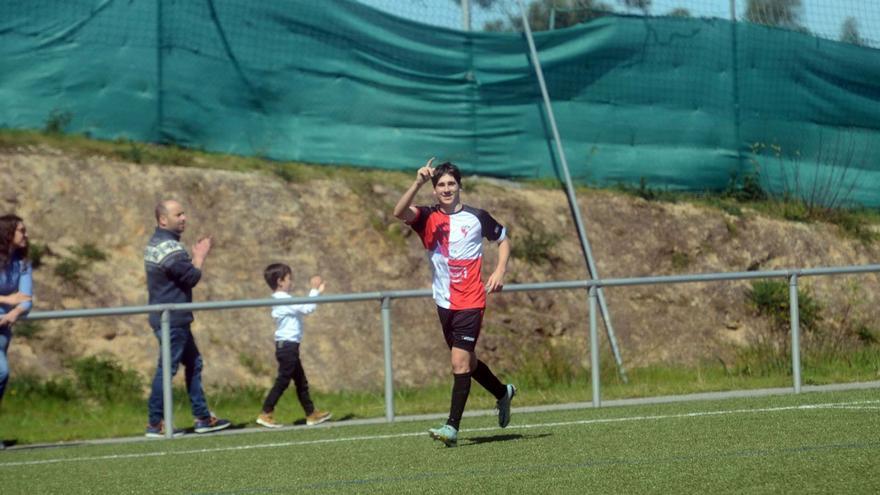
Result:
[{"x": 288, "y": 335}]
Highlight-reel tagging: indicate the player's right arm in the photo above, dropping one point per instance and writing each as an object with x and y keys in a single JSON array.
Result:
[{"x": 404, "y": 209}]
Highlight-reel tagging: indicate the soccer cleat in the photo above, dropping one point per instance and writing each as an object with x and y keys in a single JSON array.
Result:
[
  {"x": 211, "y": 423},
  {"x": 158, "y": 431},
  {"x": 267, "y": 420},
  {"x": 317, "y": 417},
  {"x": 446, "y": 434},
  {"x": 503, "y": 406}
]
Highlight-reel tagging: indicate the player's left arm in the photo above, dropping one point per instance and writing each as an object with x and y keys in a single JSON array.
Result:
[{"x": 496, "y": 280}]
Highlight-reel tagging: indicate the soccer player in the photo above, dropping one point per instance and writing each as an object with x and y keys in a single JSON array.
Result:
[{"x": 452, "y": 233}]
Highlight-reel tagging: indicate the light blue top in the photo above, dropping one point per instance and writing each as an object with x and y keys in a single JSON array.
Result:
[
  {"x": 16, "y": 277},
  {"x": 288, "y": 319}
]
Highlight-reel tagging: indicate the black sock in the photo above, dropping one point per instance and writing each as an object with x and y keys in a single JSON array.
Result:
[
  {"x": 484, "y": 376},
  {"x": 461, "y": 388}
]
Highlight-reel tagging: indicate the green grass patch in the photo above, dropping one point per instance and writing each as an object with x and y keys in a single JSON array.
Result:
[
  {"x": 811, "y": 443},
  {"x": 79, "y": 407}
]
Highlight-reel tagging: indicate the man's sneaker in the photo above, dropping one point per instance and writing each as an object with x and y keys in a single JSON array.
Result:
[
  {"x": 211, "y": 423},
  {"x": 317, "y": 417},
  {"x": 158, "y": 431},
  {"x": 268, "y": 421},
  {"x": 446, "y": 434},
  {"x": 503, "y": 406}
]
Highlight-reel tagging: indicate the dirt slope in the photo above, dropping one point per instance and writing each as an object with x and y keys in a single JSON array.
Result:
[{"x": 342, "y": 229}]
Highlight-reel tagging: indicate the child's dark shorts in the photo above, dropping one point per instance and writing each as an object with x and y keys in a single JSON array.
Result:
[{"x": 461, "y": 327}]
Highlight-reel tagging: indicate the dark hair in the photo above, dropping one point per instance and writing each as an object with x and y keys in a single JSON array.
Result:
[
  {"x": 446, "y": 168},
  {"x": 8, "y": 224},
  {"x": 275, "y": 272},
  {"x": 161, "y": 210}
]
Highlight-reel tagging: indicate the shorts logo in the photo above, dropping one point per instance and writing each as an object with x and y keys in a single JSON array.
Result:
[{"x": 467, "y": 339}]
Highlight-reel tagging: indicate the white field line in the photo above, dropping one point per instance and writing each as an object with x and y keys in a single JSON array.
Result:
[{"x": 858, "y": 405}]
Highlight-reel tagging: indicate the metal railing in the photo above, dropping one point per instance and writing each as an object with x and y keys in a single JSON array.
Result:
[{"x": 385, "y": 297}]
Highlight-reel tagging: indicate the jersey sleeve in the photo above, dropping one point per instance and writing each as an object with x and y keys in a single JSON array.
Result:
[{"x": 492, "y": 230}]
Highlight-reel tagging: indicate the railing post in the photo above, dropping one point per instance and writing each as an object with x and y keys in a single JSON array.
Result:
[
  {"x": 594, "y": 346},
  {"x": 795, "y": 332},
  {"x": 389, "y": 370},
  {"x": 165, "y": 346},
  {"x": 466, "y": 15},
  {"x": 570, "y": 193}
]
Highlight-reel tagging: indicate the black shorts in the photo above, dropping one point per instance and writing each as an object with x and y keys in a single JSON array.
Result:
[{"x": 461, "y": 327}]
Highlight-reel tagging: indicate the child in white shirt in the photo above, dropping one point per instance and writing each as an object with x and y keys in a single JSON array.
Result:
[{"x": 288, "y": 335}]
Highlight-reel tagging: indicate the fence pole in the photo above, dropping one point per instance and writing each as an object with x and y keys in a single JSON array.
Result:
[
  {"x": 389, "y": 376},
  {"x": 165, "y": 345},
  {"x": 594, "y": 346},
  {"x": 466, "y": 15},
  {"x": 569, "y": 191},
  {"x": 795, "y": 333}
]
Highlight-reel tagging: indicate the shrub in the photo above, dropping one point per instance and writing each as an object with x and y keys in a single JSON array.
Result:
[
  {"x": 27, "y": 329},
  {"x": 103, "y": 378},
  {"x": 57, "y": 121},
  {"x": 89, "y": 252},
  {"x": 745, "y": 190},
  {"x": 536, "y": 245},
  {"x": 253, "y": 364},
  {"x": 31, "y": 386},
  {"x": 36, "y": 251},
  {"x": 546, "y": 365},
  {"x": 68, "y": 269},
  {"x": 771, "y": 299}
]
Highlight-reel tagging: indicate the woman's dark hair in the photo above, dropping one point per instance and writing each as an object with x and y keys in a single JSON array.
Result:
[
  {"x": 274, "y": 273},
  {"x": 8, "y": 224},
  {"x": 446, "y": 168}
]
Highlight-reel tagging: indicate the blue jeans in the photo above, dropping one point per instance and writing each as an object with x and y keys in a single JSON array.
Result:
[
  {"x": 185, "y": 352},
  {"x": 5, "y": 337}
]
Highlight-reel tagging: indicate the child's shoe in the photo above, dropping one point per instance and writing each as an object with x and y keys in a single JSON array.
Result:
[
  {"x": 266, "y": 419},
  {"x": 317, "y": 417}
]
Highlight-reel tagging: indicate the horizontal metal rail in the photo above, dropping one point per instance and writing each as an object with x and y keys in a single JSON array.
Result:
[
  {"x": 385, "y": 297},
  {"x": 420, "y": 293}
]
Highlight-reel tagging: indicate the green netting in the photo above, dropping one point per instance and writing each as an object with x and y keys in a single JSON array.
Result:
[{"x": 682, "y": 102}]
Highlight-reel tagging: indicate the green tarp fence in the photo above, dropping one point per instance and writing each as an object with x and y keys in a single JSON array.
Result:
[{"x": 679, "y": 103}]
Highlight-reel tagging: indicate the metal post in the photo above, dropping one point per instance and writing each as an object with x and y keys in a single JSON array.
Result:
[
  {"x": 795, "y": 333},
  {"x": 594, "y": 346},
  {"x": 569, "y": 190},
  {"x": 466, "y": 15},
  {"x": 734, "y": 79},
  {"x": 389, "y": 377},
  {"x": 552, "y": 17},
  {"x": 165, "y": 346},
  {"x": 160, "y": 110}
]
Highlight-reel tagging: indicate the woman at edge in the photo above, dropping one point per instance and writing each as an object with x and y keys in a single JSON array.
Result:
[{"x": 16, "y": 286}]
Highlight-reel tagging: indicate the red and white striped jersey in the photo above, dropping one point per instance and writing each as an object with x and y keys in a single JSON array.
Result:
[{"x": 455, "y": 249}]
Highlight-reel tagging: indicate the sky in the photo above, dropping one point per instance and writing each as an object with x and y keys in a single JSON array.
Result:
[{"x": 823, "y": 17}]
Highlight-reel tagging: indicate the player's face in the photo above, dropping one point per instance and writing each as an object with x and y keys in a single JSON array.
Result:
[{"x": 446, "y": 190}]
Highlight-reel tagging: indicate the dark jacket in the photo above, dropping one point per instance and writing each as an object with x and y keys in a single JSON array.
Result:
[{"x": 171, "y": 275}]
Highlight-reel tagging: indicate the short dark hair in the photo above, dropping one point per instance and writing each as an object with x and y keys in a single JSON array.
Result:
[
  {"x": 444, "y": 169},
  {"x": 161, "y": 210},
  {"x": 275, "y": 272}
]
